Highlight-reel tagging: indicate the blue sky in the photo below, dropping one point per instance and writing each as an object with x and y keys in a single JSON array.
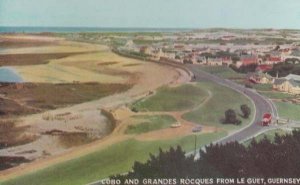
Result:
[{"x": 152, "y": 13}]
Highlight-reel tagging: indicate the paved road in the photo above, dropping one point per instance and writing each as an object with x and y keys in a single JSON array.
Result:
[{"x": 261, "y": 103}]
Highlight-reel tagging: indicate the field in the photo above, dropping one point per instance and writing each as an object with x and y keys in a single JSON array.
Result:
[
  {"x": 277, "y": 95},
  {"x": 150, "y": 123},
  {"x": 117, "y": 158},
  {"x": 58, "y": 107},
  {"x": 172, "y": 99},
  {"x": 212, "y": 112},
  {"x": 28, "y": 98},
  {"x": 269, "y": 134},
  {"x": 288, "y": 110},
  {"x": 32, "y": 59},
  {"x": 222, "y": 71},
  {"x": 263, "y": 87}
]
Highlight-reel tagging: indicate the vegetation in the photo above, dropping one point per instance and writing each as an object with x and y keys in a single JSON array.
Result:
[
  {"x": 114, "y": 159},
  {"x": 246, "y": 110},
  {"x": 244, "y": 69},
  {"x": 231, "y": 118},
  {"x": 285, "y": 69},
  {"x": 288, "y": 110},
  {"x": 269, "y": 134},
  {"x": 264, "y": 159},
  {"x": 222, "y": 71},
  {"x": 263, "y": 87},
  {"x": 277, "y": 95},
  {"x": 32, "y": 59},
  {"x": 212, "y": 112},
  {"x": 150, "y": 123},
  {"x": 45, "y": 96},
  {"x": 172, "y": 99}
]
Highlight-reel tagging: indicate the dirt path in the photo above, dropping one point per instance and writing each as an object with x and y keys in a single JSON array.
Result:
[{"x": 185, "y": 128}]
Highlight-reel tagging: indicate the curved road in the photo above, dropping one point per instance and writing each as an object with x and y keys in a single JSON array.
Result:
[{"x": 261, "y": 103}]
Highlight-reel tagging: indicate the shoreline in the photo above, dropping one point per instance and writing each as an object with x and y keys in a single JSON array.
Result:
[{"x": 17, "y": 77}]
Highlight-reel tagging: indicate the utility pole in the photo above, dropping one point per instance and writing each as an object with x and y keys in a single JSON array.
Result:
[{"x": 195, "y": 145}]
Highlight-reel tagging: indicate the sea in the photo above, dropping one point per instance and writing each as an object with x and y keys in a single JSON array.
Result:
[
  {"x": 5, "y": 29},
  {"x": 8, "y": 74}
]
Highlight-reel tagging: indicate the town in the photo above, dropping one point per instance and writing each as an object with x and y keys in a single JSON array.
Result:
[{"x": 254, "y": 52}]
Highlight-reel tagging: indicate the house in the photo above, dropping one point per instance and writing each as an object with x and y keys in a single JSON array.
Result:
[
  {"x": 289, "y": 84},
  {"x": 238, "y": 64},
  {"x": 145, "y": 50},
  {"x": 248, "y": 59},
  {"x": 214, "y": 61},
  {"x": 273, "y": 60},
  {"x": 226, "y": 61},
  {"x": 264, "y": 68},
  {"x": 260, "y": 78},
  {"x": 201, "y": 60},
  {"x": 286, "y": 51}
]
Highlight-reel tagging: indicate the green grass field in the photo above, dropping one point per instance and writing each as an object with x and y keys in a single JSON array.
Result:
[
  {"x": 172, "y": 99},
  {"x": 150, "y": 123},
  {"x": 263, "y": 87},
  {"x": 213, "y": 111},
  {"x": 117, "y": 158},
  {"x": 269, "y": 134},
  {"x": 222, "y": 71},
  {"x": 288, "y": 110},
  {"x": 276, "y": 95}
]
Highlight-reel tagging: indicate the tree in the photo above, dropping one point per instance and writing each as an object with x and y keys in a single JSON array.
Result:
[
  {"x": 230, "y": 117},
  {"x": 264, "y": 159},
  {"x": 245, "y": 110}
]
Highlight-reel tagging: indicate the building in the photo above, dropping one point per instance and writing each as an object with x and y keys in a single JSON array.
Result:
[
  {"x": 289, "y": 84},
  {"x": 201, "y": 60},
  {"x": 248, "y": 59},
  {"x": 226, "y": 61},
  {"x": 264, "y": 68},
  {"x": 145, "y": 50},
  {"x": 214, "y": 61},
  {"x": 273, "y": 60},
  {"x": 260, "y": 78}
]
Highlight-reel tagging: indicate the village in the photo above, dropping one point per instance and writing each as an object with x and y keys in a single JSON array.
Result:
[{"x": 254, "y": 54}]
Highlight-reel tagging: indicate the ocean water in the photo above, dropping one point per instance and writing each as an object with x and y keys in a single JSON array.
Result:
[
  {"x": 7, "y": 74},
  {"x": 85, "y": 29}
]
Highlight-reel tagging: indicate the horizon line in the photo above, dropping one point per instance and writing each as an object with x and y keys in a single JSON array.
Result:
[{"x": 132, "y": 27}]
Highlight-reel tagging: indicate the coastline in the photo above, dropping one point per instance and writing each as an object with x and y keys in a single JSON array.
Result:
[{"x": 10, "y": 74}]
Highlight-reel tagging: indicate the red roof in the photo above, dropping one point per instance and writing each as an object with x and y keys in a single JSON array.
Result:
[
  {"x": 264, "y": 68},
  {"x": 226, "y": 58},
  {"x": 248, "y": 59},
  {"x": 274, "y": 59}
]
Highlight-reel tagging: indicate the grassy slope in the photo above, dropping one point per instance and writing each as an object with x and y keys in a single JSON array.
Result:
[
  {"x": 150, "y": 123},
  {"x": 172, "y": 99},
  {"x": 213, "y": 111},
  {"x": 263, "y": 87},
  {"x": 117, "y": 158},
  {"x": 276, "y": 95},
  {"x": 288, "y": 110},
  {"x": 222, "y": 71},
  {"x": 269, "y": 134}
]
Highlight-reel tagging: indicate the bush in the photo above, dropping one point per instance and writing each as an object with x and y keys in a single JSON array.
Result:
[
  {"x": 231, "y": 118},
  {"x": 245, "y": 110},
  {"x": 263, "y": 159}
]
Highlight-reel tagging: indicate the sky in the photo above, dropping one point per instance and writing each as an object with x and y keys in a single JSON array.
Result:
[{"x": 152, "y": 13}]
